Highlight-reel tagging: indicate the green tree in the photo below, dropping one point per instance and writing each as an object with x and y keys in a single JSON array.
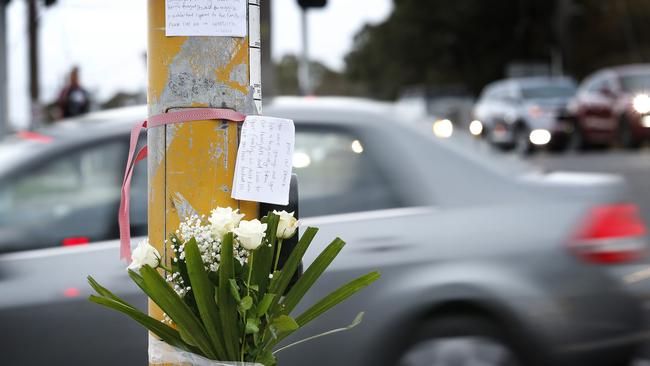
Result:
[{"x": 471, "y": 42}]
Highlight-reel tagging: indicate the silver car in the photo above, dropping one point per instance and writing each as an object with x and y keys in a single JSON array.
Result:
[
  {"x": 526, "y": 113},
  {"x": 483, "y": 261}
]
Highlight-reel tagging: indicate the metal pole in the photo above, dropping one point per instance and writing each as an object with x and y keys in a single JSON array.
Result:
[
  {"x": 191, "y": 165},
  {"x": 304, "y": 73},
  {"x": 268, "y": 75},
  {"x": 34, "y": 91},
  {"x": 4, "y": 114}
]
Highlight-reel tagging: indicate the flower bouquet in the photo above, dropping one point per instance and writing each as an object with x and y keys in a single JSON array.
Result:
[{"x": 226, "y": 296}]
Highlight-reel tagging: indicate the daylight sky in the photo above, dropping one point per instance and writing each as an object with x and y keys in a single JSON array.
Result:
[{"x": 107, "y": 39}]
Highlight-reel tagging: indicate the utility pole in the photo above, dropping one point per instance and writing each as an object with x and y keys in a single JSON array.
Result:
[
  {"x": 4, "y": 114},
  {"x": 304, "y": 72},
  {"x": 268, "y": 74},
  {"x": 34, "y": 91},
  {"x": 191, "y": 165}
]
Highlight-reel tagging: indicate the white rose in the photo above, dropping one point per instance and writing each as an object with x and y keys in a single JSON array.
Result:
[
  {"x": 287, "y": 225},
  {"x": 223, "y": 220},
  {"x": 144, "y": 254},
  {"x": 250, "y": 233}
]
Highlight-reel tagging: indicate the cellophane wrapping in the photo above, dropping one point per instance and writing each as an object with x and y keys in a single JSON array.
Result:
[{"x": 161, "y": 353}]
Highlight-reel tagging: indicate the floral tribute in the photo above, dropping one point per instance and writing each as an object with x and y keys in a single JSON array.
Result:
[{"x": 226, "y": 295}]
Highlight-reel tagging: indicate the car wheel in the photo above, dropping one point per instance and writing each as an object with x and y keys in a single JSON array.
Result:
[
  {"x": 626, "y": 135},
  {"x": 459, "y": 340},
  {"x": 523, "y": 146}
]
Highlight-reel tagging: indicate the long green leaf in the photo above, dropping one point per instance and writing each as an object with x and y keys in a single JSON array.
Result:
[
  {"x": 227, "y": 306},
  {"x": 204, "y": 295},
  {"x": 331, "y": 300},
  {"x": 105, "y": 292},
  {"x": 311, "y": 275},
  {"x": 357, "y": 320},
  {"x": 282, "y": 280},
  {"x": 336, "y": 297},
  {"x": 164, "y": 332},
  {"x": 264, "y": 255},
  {"x": 152, "y": 283}
]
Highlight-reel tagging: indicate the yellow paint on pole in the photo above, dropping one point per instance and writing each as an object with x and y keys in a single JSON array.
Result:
[{"x": 191, "y": 165}]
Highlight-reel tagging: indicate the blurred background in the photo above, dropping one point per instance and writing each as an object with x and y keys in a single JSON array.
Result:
[{"x": 508, "y": 138}]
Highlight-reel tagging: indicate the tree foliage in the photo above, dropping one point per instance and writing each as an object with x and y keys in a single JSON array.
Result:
[{"x": 437, "y": 42}]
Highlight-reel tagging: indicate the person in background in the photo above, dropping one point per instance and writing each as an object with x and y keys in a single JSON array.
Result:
[{"x": 73, "y": 100}]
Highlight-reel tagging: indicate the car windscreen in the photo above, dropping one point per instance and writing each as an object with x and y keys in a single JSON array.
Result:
[
  {"x": 547, "y": 91},
  {"x": 636, "y": 82}
]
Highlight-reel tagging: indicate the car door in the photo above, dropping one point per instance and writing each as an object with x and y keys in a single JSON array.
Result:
[{"x": 69, "y": 198}]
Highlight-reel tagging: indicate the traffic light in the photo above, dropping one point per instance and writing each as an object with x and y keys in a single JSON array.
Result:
[
  {"x": 312, "y": 3},
  {"x": 50, "y": 2}
]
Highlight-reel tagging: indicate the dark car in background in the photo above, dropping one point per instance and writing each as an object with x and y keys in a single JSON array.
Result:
[
  {"x": 521, "y": 269},
  {"x": 613, "y": 106},
  {"x": 524, "y": 113}
]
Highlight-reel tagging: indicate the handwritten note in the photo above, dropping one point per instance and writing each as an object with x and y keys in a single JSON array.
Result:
[
  {"x": 264, "y": 160},
  {"x": 226, "y": 18}
]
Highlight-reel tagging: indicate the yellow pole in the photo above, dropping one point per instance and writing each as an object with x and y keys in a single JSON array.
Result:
[{"x": 191, "y": 165}]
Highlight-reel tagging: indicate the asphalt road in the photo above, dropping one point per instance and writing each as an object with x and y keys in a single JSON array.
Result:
[{"x": 633, "y": 165}]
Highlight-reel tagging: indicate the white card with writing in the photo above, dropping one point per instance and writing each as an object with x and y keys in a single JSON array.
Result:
[
  {"x": 264, "y": 160},
  {"x": 225, "y": 18}
]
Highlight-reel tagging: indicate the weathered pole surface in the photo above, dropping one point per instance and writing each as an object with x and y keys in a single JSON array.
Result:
[{"x": 191, "y": 165}]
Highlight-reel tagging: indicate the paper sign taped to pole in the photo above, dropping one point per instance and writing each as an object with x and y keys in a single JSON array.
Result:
[
  {"x": 264, "y": 160},
  {"x": 225, "y": 18}
]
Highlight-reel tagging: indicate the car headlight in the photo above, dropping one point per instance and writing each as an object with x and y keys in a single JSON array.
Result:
[
  {"x": 443, "y": 128},
  {"x": 641, "y": 103},
  {"x": 476, "y": 128},
  {"x": 540, "y": 137}
]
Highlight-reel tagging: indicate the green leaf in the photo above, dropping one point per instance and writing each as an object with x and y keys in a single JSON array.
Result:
[
  {"x": 284, "y": 324},
  {"x": 311, "y": 275},
  {"x": 264, "y": 255},
  {"x": 203, "y": 291},
  {"x": 252, "y": 325},
  {"x": 281, "y": 279},
  {"x": 227, "y": 305},
  {"x": 331, "y": 300},
  {"x": 246, "y": 303},
  {"x": 336, "y": 297},
  {"x": 264, "y": 305},
  {"x": 357, "y": 320},
  {"x": 105, "y": 293},
  {"x": 266, "y": 358},
  {"x": 152, "y": 283},
  {"x": 164, "y": 332},
  {"x": 234, "y": 289}
]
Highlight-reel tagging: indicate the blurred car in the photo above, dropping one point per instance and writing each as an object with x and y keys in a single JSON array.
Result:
[
  {"x": 613, "y": 105},
  {"x": 516, "y": 270},
  {"x": 524, "y": 113}
]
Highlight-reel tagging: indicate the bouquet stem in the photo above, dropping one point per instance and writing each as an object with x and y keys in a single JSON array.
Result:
[{"x": 277, "y": 255}]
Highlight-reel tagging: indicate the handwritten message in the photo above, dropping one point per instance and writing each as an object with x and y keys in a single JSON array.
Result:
[
  {"x": 226, "y": 18},
  {"x": 264, "y": 160}
]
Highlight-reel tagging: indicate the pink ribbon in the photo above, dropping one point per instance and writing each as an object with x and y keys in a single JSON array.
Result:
[{"x": 198, "y": 114}]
